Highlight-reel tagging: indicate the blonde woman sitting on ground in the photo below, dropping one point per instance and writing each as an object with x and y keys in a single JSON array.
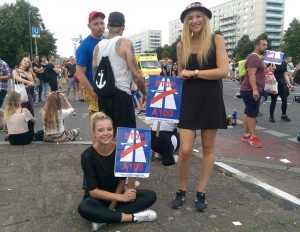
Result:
[
  {"x": 17, "y": 120},
  {"x": 53, "y": 116}
]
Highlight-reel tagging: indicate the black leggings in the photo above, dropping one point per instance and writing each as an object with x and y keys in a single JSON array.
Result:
[
  {"x": 283, "y": 93},
  {"x": 96, "y": 210}
]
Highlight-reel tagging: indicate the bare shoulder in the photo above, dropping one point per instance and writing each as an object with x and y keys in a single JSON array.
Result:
[{"x": 219, "y": 38}]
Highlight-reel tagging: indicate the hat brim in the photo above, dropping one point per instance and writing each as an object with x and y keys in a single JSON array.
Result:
[{"x": 203, "y": 9}]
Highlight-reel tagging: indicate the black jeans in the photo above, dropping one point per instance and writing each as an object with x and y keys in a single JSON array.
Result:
[
  {"x": 96, "y": 210},
  {"x": 283, "y": 93}
]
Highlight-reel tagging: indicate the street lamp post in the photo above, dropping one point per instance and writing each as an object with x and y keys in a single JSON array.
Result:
[{"x": 30, "y": 35}]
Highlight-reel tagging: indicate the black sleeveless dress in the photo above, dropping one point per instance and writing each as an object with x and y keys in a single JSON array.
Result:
[{"x": 202, "y": 105}]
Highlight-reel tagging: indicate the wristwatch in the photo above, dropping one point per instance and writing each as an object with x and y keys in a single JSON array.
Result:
[{"x": 196, "y": 73}]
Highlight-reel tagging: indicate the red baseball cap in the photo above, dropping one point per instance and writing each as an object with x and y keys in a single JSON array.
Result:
[{"x": 94, "y": 14}]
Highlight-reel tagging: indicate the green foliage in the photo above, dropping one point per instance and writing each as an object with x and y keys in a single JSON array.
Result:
[
  {"x": 168, "y": 51},
  {"x": 291, "y": 41},
  {"x": 218, "y": 32},
  {"x": 15, "y": 32},
  {"x": 243, "y": 48}
]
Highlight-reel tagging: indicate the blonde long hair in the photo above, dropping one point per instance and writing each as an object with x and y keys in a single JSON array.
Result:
[
  {"x": 204, "y": 41},
  {"x": 29, "y": 69},
  {"x": 98, "y": 116},
  {"x": 51, "y": 111},
  {"x": 13, "y": 102}
]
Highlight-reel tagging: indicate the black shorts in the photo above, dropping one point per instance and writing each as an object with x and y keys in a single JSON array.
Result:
[
  {"x": 252, "y": 106},
  {"x": 53, "y": 84},
  {"x": 119, "y": 107}
]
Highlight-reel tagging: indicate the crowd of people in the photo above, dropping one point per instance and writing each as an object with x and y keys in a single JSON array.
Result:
[{"x": 202, "y": 63}]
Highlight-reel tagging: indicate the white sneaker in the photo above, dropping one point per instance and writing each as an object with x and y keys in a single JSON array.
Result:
[
  {"x": 175, "y": 158},
  {"x": 157, "y": 156},
  {"x": 97, "y": 226},
  {"x": 136, "y": 184},
  {"x": 144, "y": 216}
]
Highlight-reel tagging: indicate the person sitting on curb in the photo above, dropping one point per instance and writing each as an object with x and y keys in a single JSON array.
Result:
[
  {"x": 105, "y": 199},
  {"x": 166, "y": 143},
  {"x": 53, "y": 116},
  {"x": 17, "y": 120}
]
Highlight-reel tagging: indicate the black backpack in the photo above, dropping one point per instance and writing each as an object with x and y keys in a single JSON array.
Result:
[{"x": 104, "y": 80}]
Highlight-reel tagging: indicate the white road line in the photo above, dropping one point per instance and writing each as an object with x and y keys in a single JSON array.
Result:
[
  {"x": 259, "y": 128},
  {"x": 249, "y": 179},
  {"x": 275, "y": 133},
  {"x": 293, "y": 140}
]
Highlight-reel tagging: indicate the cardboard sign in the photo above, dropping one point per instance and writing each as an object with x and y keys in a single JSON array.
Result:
[
  {"x": 164, "y": 98},
  {"x": 273, "y": 57},
  {"x": 133, "y": 152}
]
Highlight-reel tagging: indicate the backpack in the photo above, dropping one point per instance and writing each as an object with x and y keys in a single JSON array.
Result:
[
  {"x": 242, "y": 69},
  {"x": 104, "y": 80}
]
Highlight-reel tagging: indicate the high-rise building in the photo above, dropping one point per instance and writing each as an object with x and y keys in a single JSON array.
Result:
[
  {"x": 240, "y": 17},
  {"x": 175, "y": 30},
  {"x": 146, "y": 41}
]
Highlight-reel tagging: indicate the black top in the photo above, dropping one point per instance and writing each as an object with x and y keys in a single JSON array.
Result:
[
  {"x": 38, "y": 65},
  {"x": 52, "y": 74},
  {"x": 280, "y": 70},
  {"x": 98, "y": 171},
  {"x": 71, "y": 69}
]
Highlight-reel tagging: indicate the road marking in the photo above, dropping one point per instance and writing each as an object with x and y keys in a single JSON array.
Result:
[
  {"x": 275, "y": 133},
  {"x": 249, "y": 179}
]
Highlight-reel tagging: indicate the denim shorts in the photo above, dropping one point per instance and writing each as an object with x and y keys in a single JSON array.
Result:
[{"x": 252, "y": 106}]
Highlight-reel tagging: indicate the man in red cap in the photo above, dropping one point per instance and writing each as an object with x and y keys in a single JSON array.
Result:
[{"x": 84, "y": 57}]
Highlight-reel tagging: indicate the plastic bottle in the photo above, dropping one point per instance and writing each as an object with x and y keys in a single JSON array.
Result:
[{"x": 234, "y": 117}]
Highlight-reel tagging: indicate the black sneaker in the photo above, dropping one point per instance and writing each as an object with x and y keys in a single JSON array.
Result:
[
  {"x": 201, "y": 202},
  {"x": 178, "y": 199},
  {"x": 142, "y": 112},
  {"x": 285, "y": 118},
  {"x": 271, "y": 119}
]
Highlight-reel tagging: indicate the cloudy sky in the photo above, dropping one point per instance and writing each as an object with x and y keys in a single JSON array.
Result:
[{"x": 68, "y": 19}]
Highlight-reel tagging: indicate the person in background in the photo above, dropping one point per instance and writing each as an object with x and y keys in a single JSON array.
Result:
[
  {"x": 53, "y": 71},
  {"x": 105, "y": 198},
  {"x": 44, "y": 64},
  {"x": 165, "y": 142},
  {"x": 70, "y": 70},
  {"x": 53, "y": 116},
  {"x": 38, "y": 70},
  {"x": 284, "y": 84},
  {"x": 251, "y": 89},
  {"x": 17, "y": 120},
  {"x": 202, "y": 63},
  {"x": 84, "y": 59},
  {"x": 5, "y": 75},
  {"x": 289, "y": 66}
]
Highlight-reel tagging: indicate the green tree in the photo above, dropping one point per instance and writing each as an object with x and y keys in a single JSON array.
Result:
[
  {"x": 15, "y": 32},
  {"x": 243, "y": 48},
  {"x": 218, "y": 32},
  {"x": 291, "y": 41}
]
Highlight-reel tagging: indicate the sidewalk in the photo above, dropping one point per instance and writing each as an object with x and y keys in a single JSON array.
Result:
[{"x": 40, "y": 188}]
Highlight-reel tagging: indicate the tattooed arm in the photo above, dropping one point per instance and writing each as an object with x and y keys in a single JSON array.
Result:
[{"x": 133, "y": 66}]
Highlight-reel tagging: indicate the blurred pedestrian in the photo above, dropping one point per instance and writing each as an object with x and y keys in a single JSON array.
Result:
[
  {"x": 5, "y": 75},
  {"x": 70, "y": 70},
  {"x": 38, "y": 70},
  {"x": 202, "y": 63}
]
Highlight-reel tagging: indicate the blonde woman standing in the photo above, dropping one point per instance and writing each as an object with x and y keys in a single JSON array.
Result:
[
  {"x": 17, "y": 120},
  {"x": 202, "y": 63}
]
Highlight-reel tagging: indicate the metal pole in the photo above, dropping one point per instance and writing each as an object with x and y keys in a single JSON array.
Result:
[
  {"x": 36, "y": 51},
  {"x": 30, "y": 35}
]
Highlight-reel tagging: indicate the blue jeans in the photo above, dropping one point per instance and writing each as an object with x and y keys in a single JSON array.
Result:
[{"x": 45, "y": 87}]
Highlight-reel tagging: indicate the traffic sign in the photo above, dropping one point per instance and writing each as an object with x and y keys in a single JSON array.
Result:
[
  {"x": 133, "y": 152},
  {"x": 36, "y": 32},
  {"x": 164, "y": 98}
]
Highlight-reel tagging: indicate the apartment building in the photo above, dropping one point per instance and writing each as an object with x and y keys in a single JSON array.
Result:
[
  {"x": 147, "y": 40},
  {"x": 239, "y": 17}
]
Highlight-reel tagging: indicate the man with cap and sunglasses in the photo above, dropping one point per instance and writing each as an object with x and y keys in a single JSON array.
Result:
[
  {"x": 84, "y": 57},
  {"x": 121, "y": 54}
]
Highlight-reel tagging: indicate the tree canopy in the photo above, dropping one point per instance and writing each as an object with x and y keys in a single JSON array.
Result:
[{"x": 15, "y": 32}]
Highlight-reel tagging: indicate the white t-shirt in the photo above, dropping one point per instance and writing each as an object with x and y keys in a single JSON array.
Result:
[
  {"x": 64, "y": 114},
  {"x": 17, "y": 123}
]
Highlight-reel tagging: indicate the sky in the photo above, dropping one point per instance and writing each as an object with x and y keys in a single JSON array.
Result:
[{"x": 68, "y": 19}]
